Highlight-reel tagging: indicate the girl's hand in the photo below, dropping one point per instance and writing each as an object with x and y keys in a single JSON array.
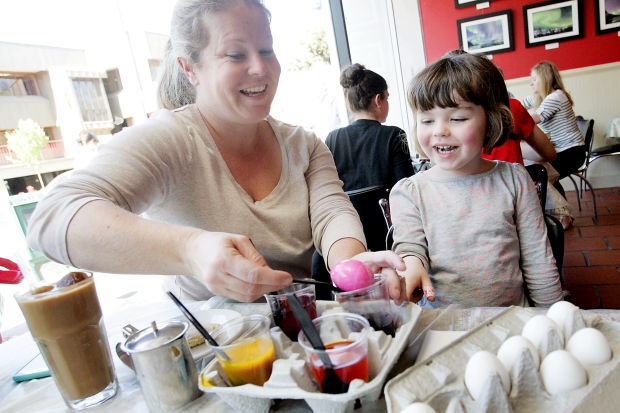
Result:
[
  {"x": 417, "y": 281},
  {"x": 231, "y": 267},
  {"x": 386, "y": 263}
]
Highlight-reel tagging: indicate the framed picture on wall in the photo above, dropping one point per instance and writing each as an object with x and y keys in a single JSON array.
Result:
[
  {"x": 486, "y": 34},
  {"x": 607, "y": 16},
  {"x": 464, "y": 3},
  {"x": 552, "y": 21}
]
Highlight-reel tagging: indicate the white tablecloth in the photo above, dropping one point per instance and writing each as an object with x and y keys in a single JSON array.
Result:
[{"x": 42, "y": 396}]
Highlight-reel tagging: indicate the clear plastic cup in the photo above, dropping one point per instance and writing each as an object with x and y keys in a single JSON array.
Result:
[
  {"x": 345, "y": 337},
  {"x": 281, "y": 311},
  {"x": 373, "y": 303},
  {"x": 247, "y": 344}
]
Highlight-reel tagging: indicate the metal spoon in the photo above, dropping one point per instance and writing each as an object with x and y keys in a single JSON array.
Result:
[{"x": 315, "y": 282}]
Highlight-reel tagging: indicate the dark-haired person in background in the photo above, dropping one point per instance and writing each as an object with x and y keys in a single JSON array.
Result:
[{"x": 366, "y": 152}]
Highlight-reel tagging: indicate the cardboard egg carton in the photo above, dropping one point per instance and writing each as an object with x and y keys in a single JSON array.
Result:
[
  {"x": 291, "y": 379},
  {"x": 438, "y": 381}
]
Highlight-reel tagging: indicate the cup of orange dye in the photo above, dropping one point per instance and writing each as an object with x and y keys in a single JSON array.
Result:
[
  {"x": 345, "y": 336},
  {"x": 248, "y": 346}
]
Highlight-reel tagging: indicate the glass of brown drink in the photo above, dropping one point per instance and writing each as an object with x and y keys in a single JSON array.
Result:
[{"x": 67, "y": 325}]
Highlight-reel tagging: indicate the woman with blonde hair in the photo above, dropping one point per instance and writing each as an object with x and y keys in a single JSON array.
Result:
[
  {"x": 235, "y": 200},
  {"x": 554, "y": 114}
]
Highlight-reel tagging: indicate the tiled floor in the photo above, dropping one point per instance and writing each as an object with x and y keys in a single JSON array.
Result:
[{"x": 592, "y": 251}]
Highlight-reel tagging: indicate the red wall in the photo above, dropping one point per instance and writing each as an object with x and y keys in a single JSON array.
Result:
[{"x": 440, "y": 36}]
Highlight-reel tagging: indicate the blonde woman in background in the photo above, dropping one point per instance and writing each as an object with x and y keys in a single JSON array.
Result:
[{"x": 553, "y": 112}]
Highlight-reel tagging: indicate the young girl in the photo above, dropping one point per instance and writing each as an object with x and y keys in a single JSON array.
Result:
[
  {"x": 470, "y": 230},
  {"x": 555, "y": 116}
]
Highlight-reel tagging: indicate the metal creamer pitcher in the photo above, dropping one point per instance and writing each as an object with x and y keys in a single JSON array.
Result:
[{"x": 164, "y": 365}]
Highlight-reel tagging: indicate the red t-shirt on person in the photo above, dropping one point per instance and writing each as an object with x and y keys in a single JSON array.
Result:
[{"x": 523, "y": 126}]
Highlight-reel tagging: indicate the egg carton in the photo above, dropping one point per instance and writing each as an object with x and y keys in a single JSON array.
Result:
[
  {"x": 439, "y": 382},
  {"x": 291, "y": 379}
]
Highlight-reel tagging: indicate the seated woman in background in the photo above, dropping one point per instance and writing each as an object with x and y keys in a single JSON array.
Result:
[
  {"x": 367, "y": 153},
  {"x": 554, "y": 114}
]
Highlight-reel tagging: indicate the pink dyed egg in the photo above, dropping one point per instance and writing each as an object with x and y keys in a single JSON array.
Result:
[{"x": 350, "y": 275}]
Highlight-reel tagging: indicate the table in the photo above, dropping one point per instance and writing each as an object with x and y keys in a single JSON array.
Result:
[{"x": 42, "y": 396}]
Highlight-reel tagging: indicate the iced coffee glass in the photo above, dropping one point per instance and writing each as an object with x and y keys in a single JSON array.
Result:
[{"x": 67, "y": 325}]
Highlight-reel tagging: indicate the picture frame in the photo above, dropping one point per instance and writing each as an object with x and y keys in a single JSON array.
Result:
[
  {"x": 552, "y": 21},
  {"x": 487, "y": 34},
  {"x": 607, "y": 16},
  {"x": 459, "y": 4}
]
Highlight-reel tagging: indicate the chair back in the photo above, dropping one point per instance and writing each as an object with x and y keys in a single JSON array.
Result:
[
  {"x": 586, "y": 127},
  {"x": 366, "y": 202},
  {"x": 555, "y": 233},
  {"x": 538, "y": 173}
]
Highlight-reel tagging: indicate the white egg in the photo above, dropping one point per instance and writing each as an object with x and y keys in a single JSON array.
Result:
[
  {"x": 480, "y": 367},
  {"x": 544, "y": 334},
  {"x": 511, "y": 350},
  {"x": 418, "y": 408},
  {"x": 589, "y": 346},
  {"x": 567, "y": 316},
  {"x": 562, "y": 372}
]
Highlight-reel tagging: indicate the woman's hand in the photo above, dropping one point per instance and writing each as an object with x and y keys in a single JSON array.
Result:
[
  {"x": 231, "y": 267},
  {"x": 416, "y": 279},
  {"x": 386, "y": 263}
]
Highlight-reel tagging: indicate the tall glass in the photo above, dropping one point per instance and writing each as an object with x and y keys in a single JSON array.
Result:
[
  {"x": 373, "y": 303},
  {"x": 67, "y": 325},
  {"x": 282, "y": 312}
]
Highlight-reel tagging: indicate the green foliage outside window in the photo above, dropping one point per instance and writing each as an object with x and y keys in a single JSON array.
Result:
[
  {"x": 27, "y": 141},
  {"x": 316, "y": 50}
]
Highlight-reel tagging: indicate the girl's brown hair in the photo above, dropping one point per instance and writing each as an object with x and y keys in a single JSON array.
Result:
[
  {"x": 473, "y": 78},
  {"x": 551, "y": 81}
]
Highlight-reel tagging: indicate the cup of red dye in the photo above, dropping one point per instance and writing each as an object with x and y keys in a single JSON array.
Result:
[
  {"x": 283, "y": 314},
  {"x": 345, "y": 337}
]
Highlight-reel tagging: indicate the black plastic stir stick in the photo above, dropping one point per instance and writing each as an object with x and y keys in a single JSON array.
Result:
[
  {"x": 331, "y": 382},
  {"x": 198, "y": 326}
]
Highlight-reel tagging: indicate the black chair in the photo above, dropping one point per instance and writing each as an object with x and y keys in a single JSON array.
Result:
[
  {"x": 586, "y": 127},
  {"x": 385, "y": 208},
  {"x": 538, "y": 173},
  {"x": 555, "y": 231},
  {"x": 366, "y": 203},
  {"x": 603, "y": 151}
]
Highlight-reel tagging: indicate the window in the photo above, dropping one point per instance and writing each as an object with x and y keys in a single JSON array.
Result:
[
  {"x": 12, "y": 84},
  {"x": 93, "y": 102},
  {"x": 154, "y": 65},
  {"x": 112, "y": 84}
]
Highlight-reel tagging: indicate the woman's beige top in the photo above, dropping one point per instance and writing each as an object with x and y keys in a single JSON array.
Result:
[{"x": 170, "y": 169}]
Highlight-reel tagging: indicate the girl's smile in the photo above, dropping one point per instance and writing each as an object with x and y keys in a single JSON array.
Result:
[{"x": 453, "y": 137}]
